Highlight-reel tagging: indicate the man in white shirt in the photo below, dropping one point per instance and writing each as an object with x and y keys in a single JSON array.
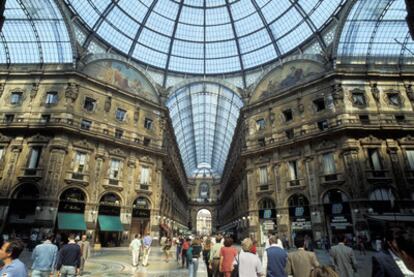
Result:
[{"x": 135, "y": 247}]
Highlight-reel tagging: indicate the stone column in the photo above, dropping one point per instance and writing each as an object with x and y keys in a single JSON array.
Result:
[
  {"x": 353, "y": 172},
  {"x": 397, "y": 172}
]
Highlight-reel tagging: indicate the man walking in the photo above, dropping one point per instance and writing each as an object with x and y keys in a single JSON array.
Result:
[
  {"x": 135, "y": 247},
  {"x": 9, "y": 253},
  {"x": 147, "y": 248},
  {"x": 301, "y": 262},
  {"x": 343, "y": 258},
  {"x": 44, "y": 258},
  {"x": 69, "y": 259},
  {"x": 85, "y": 252},
  {"x": 215, "y": 257},
  {"x": 275, "y": 259}
]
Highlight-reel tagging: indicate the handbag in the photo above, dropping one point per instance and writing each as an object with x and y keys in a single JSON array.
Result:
[{"x": 235, "y": 272}]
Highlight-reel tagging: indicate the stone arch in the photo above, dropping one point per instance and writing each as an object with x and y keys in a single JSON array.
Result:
[
  {"x": 63, "y": 190},
  {"x": 291, "y": 198},
  {"x": 20, "y": 186},
  {"x": 266, "y": 203},
  {"x": 150, "y": 205},
  {"x": 121, "y": 199},
  {"x": 204, "y": 220},
  {"x": 324, "y": 193}
]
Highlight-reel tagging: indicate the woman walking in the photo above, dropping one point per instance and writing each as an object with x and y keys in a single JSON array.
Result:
[{"x": 227, "y": 255}]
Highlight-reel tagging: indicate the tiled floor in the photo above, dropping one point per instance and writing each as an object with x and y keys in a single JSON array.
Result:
[{"x": 116, "y": 262}]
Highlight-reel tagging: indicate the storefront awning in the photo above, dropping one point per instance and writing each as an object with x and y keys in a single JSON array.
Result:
[
  {"x": 110, "y": 223},
  {"x": 71, "y": 221},
  {"x": 391, "y": 218}
]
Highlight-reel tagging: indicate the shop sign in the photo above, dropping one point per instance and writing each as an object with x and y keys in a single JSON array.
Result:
[
  {"x": 301, "y": 224},
  {"x": 268, "y": 225},
  {"x": 143, "y": 213},
  {"x": 340, "y": 222}
]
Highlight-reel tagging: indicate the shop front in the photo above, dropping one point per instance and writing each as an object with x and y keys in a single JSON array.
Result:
[
  {"x": 338, "y": 217},
  {"x": 267, "y": 218},
  {"x": 71, "y": 213},
  {"x": 109, "y": 227},
  {"x": 299, "y": 216},
  {"x": 141, "y": 214}
]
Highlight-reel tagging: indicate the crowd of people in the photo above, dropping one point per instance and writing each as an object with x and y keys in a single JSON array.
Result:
[
  {"x": 221, "y": 257},
  {"x": 48, "y": 258}
]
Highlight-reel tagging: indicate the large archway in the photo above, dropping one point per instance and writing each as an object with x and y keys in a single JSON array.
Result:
[
  {"x": 267, "y": 217},
  {"x": 203, "y": 225},
  {"x": 299, "y": 215},
  {"x": 141, "y": 213},
  {"x": 21, "y": 220},
  {"x": 110, "y": 228},
  {"x": 71, "y": 217}
]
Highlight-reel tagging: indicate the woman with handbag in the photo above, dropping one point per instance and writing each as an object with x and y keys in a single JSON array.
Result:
[{"x": 227, "y": 256}]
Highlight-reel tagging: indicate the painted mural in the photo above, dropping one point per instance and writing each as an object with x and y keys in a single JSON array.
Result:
[
  {"x": 123, "y": 76},
  {"x": 288, "y": 75}
]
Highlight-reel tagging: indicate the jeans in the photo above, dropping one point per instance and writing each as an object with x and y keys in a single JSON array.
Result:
[
  {"x": 67, "y": 271},
  {"x": 178, "y": 252},
  {"x": 40, "y": 273},
  {"x": 193, "y": 268}
]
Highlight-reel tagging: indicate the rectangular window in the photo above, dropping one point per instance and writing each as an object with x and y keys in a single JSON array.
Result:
[
  {"x": 263, "y": 175},
  {"x": 89, "y": 104},
  {"x": 260, "y": 124},
  {"x": 34, "y": 157},
  {"x": 394, "y": 99},
  {"x": 146, "y": 141},
  {"x": 51, "y": 97},
  {"x": 86, "y": 124},
  {"x": 114, "y": 170},
  {"x": 374, "y": 159},
  {"x": 148, "y": 123},
  {"x": 118, "y": 133},
  {"x": 120, "y": 114},
  {"x": 45, "y": 118},
  {"x": 328, "y": 164},
  {"x": 290, "y": 134},
  {"x": 9, "y": 118},
  {"x": 293, "y": 170},
  {"x": 16, "y": 98},
  {"x": 410, "y": 158},
  {"x": 261, "y": 141},
  {"x": 288, "y": 115},
  {"x": 364, "y": 119},
  {"x": 323, "y": 125},
  {"x": 80, "y": 160},
  {"x": 358, "y": 98},
  {"x": 145, "y": 174},
  {"x": 319, "y": 104},
  {"x": 400, "y": 118}
]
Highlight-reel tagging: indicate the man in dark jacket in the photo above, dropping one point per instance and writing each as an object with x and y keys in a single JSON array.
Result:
[
  {"x": 344, "y": 258},
  {"x": 69, "y": 259}
]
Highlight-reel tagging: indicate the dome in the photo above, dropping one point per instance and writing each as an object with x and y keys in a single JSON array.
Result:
[{"x": 205, "y": 37}]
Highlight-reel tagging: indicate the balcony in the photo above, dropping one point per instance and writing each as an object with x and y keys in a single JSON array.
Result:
[
  {"x": 30, "y": 174},
  {"x": 264, "y": 189},
  {"x": 111, "y": 183},
  {"x": 143, "y": 188},
  {"x": 295, "y": 184},
  {"x": 332, "y": 179},
  {"x": 378, "y": 175},
  {"x": 79, "y": 178}
]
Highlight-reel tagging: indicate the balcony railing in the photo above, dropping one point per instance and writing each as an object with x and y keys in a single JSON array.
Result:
[
  {"x": 333, "y": 178},
  {"x": 375, "y": 175},
  {"x": 113, "y": 182},
  {"x": 296, "y": 183},
  {"x": 78, "y": 176},
  {"x": 30, "y": 174}
]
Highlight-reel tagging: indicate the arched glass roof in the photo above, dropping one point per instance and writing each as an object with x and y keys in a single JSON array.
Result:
[
  {"x": 204, "y": 116},
  {"x": 205, "y": 36},
  {"x": 376, "y": 32},
  {"x": 34, "y": 32}
]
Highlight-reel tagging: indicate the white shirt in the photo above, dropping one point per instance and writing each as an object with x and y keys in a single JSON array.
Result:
[
  {"x": 401, "y": 265},
  {"x": 249, "y": 264}
]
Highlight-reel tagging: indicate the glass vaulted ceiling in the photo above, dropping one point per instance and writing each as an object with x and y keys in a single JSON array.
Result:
[
  {"x": 204, "y": 116},
  {"x": 205, "y": 36},
  {"x": 34, "y": 32}
]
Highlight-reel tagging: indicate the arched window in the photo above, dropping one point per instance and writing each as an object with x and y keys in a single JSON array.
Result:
[
  {"x": 266, "y": 203},
  {"x": 334, "y": 196},
  {"x": 141, "y": 203},
  {"x": 381, "y": 195},
  {"x": 110, "y": 204},
  {"x": 298, "y": 200},
  {"x": 204, "y": 191},
  {"x": 72, "y": 200}
]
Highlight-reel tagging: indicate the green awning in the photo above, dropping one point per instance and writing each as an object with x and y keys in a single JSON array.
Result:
[
  {"x": 71, "y": 221},
  {"x": 110, "y": 223}
]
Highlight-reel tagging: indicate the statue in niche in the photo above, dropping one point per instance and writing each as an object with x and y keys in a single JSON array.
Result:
[
  {"x": 410, "y": 92},
  {"x": 108, "y": 104},
  {"x": 34, "y": 90},
  {"x": 136, "y": 114},
  {"x": 72, "y": 91},
  {"x": 338, "y": 92},
  {"x": 2, "y": 85},
  {"x": 375, "y": 92}
]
